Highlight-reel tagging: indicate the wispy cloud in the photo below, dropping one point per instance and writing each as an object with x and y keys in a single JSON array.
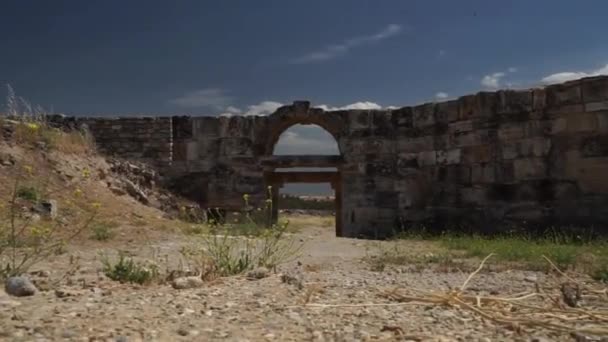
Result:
[
  {"x": 356, "y": 105},
  {"x": 441, "y": 95},
  {"x": 493, "y": 80},
  {"x": 565, "y": 76},
  {"x": 262, "y": 108},
  {"x": 213, "y": 98},
  {"x": 335, "y": 50}
]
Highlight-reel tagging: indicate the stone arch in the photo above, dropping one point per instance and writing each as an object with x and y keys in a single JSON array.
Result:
[{"x": 299, "y": 113}]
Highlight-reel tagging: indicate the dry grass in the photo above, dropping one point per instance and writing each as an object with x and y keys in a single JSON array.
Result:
[
  {"x": 299, "y": 222},
  {"x": 548, "y": 307}
]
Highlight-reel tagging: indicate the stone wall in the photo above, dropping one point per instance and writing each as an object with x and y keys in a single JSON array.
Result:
[
  {"x": 493, "y": 160},
  {"x": 147, "y": 139}
]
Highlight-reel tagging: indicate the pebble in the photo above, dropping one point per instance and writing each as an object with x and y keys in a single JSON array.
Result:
[
  {"x": 187, "y": 283},
  {"x": 20, "y": 287},
  {"x": 258, "y": 273}
]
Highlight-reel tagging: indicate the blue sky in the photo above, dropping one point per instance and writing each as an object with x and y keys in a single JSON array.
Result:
[
  {"x": 248, "y": 57},
  {"x": 211, "y": 57}
]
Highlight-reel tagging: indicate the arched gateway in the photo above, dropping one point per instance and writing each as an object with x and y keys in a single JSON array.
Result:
[{"x": 533, "y": 157}]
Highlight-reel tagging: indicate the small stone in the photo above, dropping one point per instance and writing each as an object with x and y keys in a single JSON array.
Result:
[
  {"x": 187, "y": 283},
  {"x": 258, "y": 273},
  {"x": 182, "y": 332},
  {"x": 20, "y": 287},
  {"x": 531, "y": 279},
  {"x": 41, "y": 273},
  {"x": 122, "y": 338}
]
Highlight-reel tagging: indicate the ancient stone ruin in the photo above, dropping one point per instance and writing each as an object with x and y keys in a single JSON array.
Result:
[{"x": 493, "y": 160}]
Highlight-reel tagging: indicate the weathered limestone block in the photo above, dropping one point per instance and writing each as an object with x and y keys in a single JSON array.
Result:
[
  {"x": 403, "y": 117},
  {"x": 476, "y": 195},
  {"x": 483, "y": 173},
  {"x": 532, "y": 147},
  {"x": 483, "y": 104},
  {"x": 427, "y": 158},
  {"x": 581, "y": 122},
  {"x": 460, "y": 127},
  {"x": 478, "y": 154},
  {"x": 477, "y": 137},
  {"x": 236, "y": 147},
  {"x": 359, "y": 120},
  {"x": 529, "y": 168},
  {"x": 449, "y": 157},
  {"x": 446, "y": 112},
  {"x": 415, "y": 145},
  {"x": 596, "y": 106},
  {"x": 595, "y": 89},
  {"x": 458, "y": 174},
  {"x": 424, "y": 115},
  {"x": 514, "y": 102},
  {"x": 563, "y": 95}
]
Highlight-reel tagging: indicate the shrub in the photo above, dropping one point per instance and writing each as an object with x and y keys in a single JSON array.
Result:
[
  {"x": 127, "y": 270},
  {"x": 29, "y": 193},
  {"x": 102, "y": 231},
  {"x": 233, "y": 248}
]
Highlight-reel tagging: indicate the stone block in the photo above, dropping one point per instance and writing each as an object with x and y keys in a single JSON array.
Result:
[
  {"x": 403, "y": 117},
  {"x": 529, "y": 168},
  {"x": 427, "y": 158},
  {"x": 590, "y": 174},
  {"x": 453, "y": 156},
  {"x": 469, "y": 139},
  {"x": 539, "y": 99},
  {"x": 602, "y": 122},
  {"x": 456, "y": 174},
  {"x": 559, "y": 125},
  {"x": 511, "y": 131},
  {"x": 415, "y": 145},
  {"x": 534, "y": 147},
  {"x": 483, "y": 104},
  {"x": 447, "y": 112},
  {"x": 460, "y": 127},
  {"x": 596, "y": 106},
  {"x": 595, "y": 89},
  {"x": 483, "y": 173},
  {"x": 478, "y": 154},
  {"x": 509, "y": 150},
  {"x": 511, "y": 101},
  {"x": 582, "y": 122},
  {"x": 424, "y": 115},
  {"x": 474, "y": 195},
  {"x": 561, "y": 95}
]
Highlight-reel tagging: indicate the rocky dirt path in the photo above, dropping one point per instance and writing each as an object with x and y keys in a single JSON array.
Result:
[{"x": 90, "y": 307}]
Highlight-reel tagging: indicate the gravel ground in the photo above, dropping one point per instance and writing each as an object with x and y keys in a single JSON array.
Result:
[{"x": 86, "y": 306}]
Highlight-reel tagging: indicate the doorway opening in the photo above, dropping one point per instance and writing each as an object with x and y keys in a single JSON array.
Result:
[{"x": 304, "y": 173}]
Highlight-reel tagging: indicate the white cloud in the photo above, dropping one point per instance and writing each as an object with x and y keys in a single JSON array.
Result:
[
  {"x": 565, "y": 76},
  {"x": 234, "y": 110},
  {"x": 356, "y": 105},
  {"x": 441, "y": 95},
  {"x": 263, "y": 108},
  {"x": 441, "y": 53},
  {"x": 336, "y": 50},
  {"x": 204, "y": 98},
  {"x": 492, "y": 81},
  {"x": 512, "y": 69}
]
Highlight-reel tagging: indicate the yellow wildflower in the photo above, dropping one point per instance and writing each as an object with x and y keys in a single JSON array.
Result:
[
  {"x": 77, "y": 192},
  {"x": 32, "y": 126},
  {"x": 86, "y": 173}
]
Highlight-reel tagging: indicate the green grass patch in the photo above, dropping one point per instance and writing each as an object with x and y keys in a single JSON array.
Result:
[{"x": 127, "y": 270}]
